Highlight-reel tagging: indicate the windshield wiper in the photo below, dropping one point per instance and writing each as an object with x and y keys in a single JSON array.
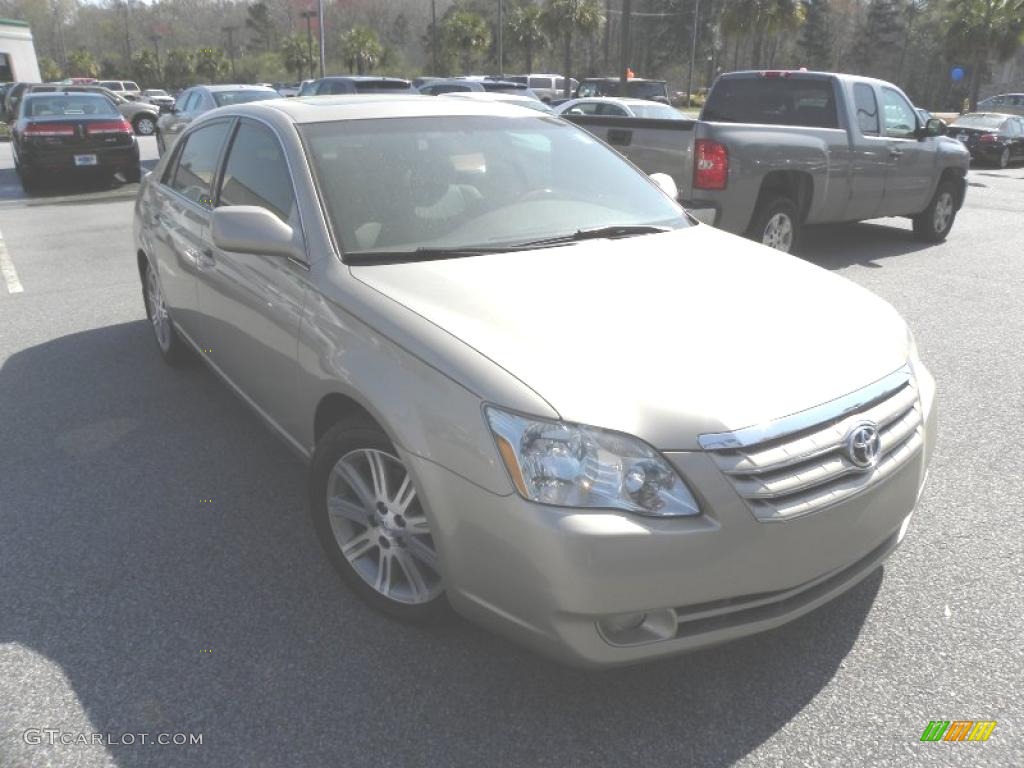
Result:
[
  {"x": 598, "y": 233},
  {"x": 424, "y": 253}
]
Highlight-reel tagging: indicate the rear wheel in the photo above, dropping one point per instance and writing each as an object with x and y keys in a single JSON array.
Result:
[
  {"x": 932, "y": 225},
  {"x": 172, "y": 347},
  {"x": 144, "y": 125},
  {"x": 776, "y": 223},
  {"x": 371, "y": 525}
]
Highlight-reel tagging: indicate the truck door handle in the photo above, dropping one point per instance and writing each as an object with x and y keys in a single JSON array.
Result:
[{"x": 620, "y": 136}]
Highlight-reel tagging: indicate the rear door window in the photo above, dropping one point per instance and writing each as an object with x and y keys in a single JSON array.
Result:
[
  {"x": 197, "y": 163},
  {"x": 866, "y": 106}
]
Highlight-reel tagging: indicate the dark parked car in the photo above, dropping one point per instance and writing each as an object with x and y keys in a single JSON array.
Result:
[
  {"x": 142, "y": 115},
  {"x": 338, "y": 84},
  {"x": 200, "y": 99},
  {"x": 60, "y": 133},
  {"x": 991, "y": 137},
  {"x": 637, "y": 88}
]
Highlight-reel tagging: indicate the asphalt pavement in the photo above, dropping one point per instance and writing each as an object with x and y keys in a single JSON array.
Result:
[{"x": 159, "y": 574}]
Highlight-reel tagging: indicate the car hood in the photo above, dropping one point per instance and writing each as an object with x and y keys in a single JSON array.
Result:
[{"x": 665, "y": 336}]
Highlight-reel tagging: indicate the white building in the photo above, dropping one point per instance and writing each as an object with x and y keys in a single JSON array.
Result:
[{"x": 17, "y": 53}]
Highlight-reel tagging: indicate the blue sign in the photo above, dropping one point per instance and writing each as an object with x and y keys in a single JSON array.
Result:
[{"x": 957, "y": 73}]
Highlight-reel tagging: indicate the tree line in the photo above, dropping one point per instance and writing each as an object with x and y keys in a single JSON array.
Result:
[{"x": 939, "y": 51}]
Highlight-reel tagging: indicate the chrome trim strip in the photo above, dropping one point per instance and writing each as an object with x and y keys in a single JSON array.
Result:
[{"x": 797, "y": 422}]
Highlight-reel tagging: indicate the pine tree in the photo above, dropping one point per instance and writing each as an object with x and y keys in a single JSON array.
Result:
[
  {"x": 876, "y": 53},
  {"x": 815, "y": 43}
]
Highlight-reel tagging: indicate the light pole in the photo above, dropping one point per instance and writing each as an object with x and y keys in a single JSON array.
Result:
[
  {"x": 308, "y": 16},
  {"x": 501, "y": 39},
  {"x": 323, "y": 53},
  {"x": 626, "y": 44},
  {"x": 156, "y": 47},
  {"x": 231, "y": 46},
  {"x": 693, "y": 51}
]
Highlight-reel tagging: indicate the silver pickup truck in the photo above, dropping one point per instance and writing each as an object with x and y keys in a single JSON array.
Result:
[{"x": 774, "y": 151}]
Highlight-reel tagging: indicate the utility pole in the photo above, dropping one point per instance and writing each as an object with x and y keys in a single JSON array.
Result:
[
  {"x": 501, "y": 39},
  {"x": 230, "y": 30},
  {"x": 693, "y": 51},
  {"x": 323, "y": 47},
  {"x": 156, "y": 47},
  {"x": 433, "y": 35},
  {"x": 626, "y": 46},
  {"x": 127, "y": 36},
  {"x": 308, "y": 16}
]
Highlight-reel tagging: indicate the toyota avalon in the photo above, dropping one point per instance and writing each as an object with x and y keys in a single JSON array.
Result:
[{"x": 528, "y": 385}]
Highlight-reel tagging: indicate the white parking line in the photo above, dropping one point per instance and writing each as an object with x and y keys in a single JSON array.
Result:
[{"x": 7, "y": 269}]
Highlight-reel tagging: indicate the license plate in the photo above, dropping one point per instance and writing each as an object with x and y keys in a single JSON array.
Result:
[{"x": 85, "y": 159}]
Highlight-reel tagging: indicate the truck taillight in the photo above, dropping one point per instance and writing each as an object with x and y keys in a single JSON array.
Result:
[
  {"x": 989, "y": 138},
  {"x": 710, "y": 165},
  {"x": 49, "y": 129},
  {"x": 109, "y": 127}
]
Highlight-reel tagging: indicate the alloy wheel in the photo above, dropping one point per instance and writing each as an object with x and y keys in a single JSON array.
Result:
[
  {"x": 943, "y": 212},
  {"x": 145, "y": 126},
  {"x": 778, "y": 233},
  {"x": 158, "y": 311},
  {"x": 379, "y": 526}
]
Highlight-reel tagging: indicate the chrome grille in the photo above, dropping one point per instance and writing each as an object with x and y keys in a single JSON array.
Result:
[{"x": 802, "y": 471}]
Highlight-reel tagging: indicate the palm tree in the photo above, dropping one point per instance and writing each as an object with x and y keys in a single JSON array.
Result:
[
  {"x": 563, "y": 18},
  {"x": 526, "y": 23},
  {"x": 980, "y": 30},
  {"x": 361, "y": 48},
  {"x": 466, "y": 34}
]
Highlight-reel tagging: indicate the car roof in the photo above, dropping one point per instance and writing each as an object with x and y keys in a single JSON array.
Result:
[
  {"x": 322, "y": 109},
  {"x": 366, "y": 78},
  {"x": 237, "y": 87},
  {"x": 629, "y": 101}
]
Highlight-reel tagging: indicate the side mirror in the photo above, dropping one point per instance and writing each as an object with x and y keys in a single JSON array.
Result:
[
  {"x": 667, "y": 184},
  {"x": 251, "y": 229},
  {"x": 935, "y": 127}
]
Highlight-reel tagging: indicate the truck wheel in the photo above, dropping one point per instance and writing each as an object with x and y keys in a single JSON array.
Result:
[
  {"x": 776, "y": 223},
  {"x": 934, "y": 222}
]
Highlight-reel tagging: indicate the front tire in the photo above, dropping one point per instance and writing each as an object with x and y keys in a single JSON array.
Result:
[
  {"x": 776, "y": 223},
  {"x": 1004, "y": 158},
  {"x": 933, "y": 224},
  {"x": 371, "y": 525},
  {"x": 173, "y": 348}
]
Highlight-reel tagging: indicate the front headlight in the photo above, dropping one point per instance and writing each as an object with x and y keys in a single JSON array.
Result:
[{"x": 572, "y": 465}]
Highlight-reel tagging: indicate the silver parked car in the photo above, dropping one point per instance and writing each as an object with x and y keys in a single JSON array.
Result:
[
  {"x": 611, "y": 106},
  {"x": 528, "y": 384},
  {"x": 200, "y": 99}
]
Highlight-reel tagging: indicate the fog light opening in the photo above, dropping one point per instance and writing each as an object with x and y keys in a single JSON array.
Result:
[{"x": 638, "y": 628}]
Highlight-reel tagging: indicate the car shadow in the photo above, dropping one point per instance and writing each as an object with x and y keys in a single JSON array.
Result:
[
  {"x": 835, "y": 246},
  {"x": 67, "y": 185},
  {"x": 157, "y": 551}
]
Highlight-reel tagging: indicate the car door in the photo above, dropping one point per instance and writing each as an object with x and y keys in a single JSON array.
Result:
[
  {"x": 180, "y": 218},
  {"x": 251, "y": 303},
  {"x": 1015, "y": 127},
  {"x": 911, "y": 174},
  {"x": 869, "y": 155}
]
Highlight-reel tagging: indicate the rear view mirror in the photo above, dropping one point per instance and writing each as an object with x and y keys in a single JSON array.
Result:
[
  {"x": 251, "y": 229},
  {"x": 667, "y": 184}
]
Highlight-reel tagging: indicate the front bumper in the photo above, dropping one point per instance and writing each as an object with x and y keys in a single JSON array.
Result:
[{"x": 546, "y": 576}]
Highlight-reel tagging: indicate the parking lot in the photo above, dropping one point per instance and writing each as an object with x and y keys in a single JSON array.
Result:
[{"x": 159, "y": 573}]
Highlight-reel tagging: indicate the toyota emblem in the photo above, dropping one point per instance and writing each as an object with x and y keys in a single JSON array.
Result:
[{"x": 863, "y": 445}]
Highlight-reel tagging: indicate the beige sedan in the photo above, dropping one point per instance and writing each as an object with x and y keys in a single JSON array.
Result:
[{"x": 528, "y": 385}]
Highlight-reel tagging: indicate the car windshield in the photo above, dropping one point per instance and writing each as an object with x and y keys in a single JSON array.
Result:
[
  {"x": 473, "y": 182},
  {"x": 645, "y": 90},
  {"x": 988, "y": 122},
  {"x": 381, "y": 86},
  {"x": 69, "y": 105},
  {"x": 225, "y": 98},
  {"x": 656, "y": 111}
]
